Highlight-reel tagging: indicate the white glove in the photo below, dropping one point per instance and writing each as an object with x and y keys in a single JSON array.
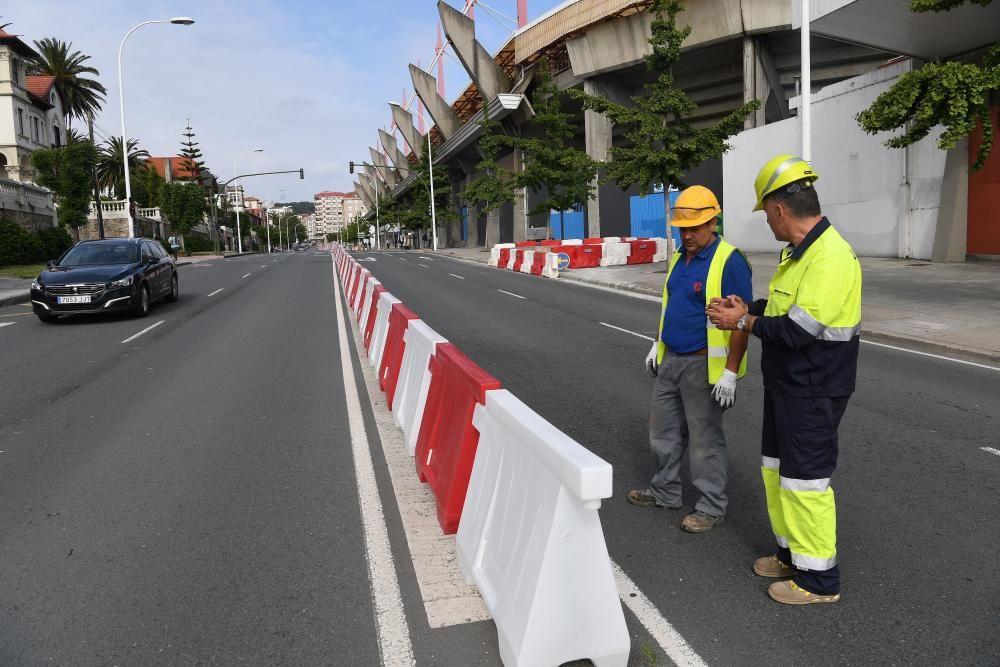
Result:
[
  {"x": 725, "y": 389},
  {"x": 651, "y": 365}
]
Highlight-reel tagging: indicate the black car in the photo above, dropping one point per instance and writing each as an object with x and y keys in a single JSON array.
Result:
[{"x": 102, "y": 276}]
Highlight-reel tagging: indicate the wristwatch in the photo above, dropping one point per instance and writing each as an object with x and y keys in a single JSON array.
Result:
[{"x": 742, "y": 322}]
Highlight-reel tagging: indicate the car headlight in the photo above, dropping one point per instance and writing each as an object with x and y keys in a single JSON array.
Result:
[
  {"x": 124, "y": 282},
  {"x": 36, "y": 286}
]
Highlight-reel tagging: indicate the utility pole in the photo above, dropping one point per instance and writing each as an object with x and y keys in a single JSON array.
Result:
[{"x": 97, "y": 190}]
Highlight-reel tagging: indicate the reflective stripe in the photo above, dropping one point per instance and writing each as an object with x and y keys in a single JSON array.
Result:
[
  {"x": 782, "y": 541},
  {"x": 770, "y": 462},
  {"x": 816, "y": 328},
  {"x": 789, "y": 484},
  {"x": 812, "y": 562},
  {"x": 714, "y": 351},
  {"x": 777, "y": 172}
]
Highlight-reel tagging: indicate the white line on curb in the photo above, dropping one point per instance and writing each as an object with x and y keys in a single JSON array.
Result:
[
  {"x": 991, "y": 450},
  {"x": 217, "y": 291},
  {"x": 244, "y": 276},
  {"x": 393, "y": 632},
  {"x": 637, "y": 335},
  {"x": 512, "y": 294},
  {"x": 935, "y": 356},
  {"x": 665, "y": 635},
  {"x": 147, "y": 329},
  {"x": 456, "y": 276}
]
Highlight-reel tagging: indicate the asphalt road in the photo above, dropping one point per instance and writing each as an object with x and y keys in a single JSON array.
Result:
[{"x": 917, "y": 493}]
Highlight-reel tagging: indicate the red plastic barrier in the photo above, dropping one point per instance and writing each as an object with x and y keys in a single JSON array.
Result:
[
  {"x": 538, "y": 263},
  {"x": 504, "y": 258},
  {"x": 525, "y": 244},
  {"x": 361, "y": 296},
  {"x": 593, "y": 241},
  {"x": 567, "y": 250},
  {"x": 551, "y": 242},
  {"x": 372, "y": 312},
  {"x": 354, "y": 287},
  {"x": 587, "y": 256},
  {"x": 518, "y": 260},
  {"x": 642, "y": 252},
  {"x": 446, "y": 444},
  {"x": 392, "y": 355}
]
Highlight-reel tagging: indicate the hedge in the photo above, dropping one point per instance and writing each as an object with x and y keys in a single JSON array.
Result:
[{"x": 19, "y": 246}]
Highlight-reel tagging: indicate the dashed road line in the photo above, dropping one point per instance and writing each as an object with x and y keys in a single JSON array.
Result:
[
  {"x": 146, "y": 330},
  {"x": 247, "y": 275},
  {"x": 6, "y": 324},
  {"x": 217, "y": 291},
  {"x": 453, "y": 275},
  {"x": 935, "y": 356},
  {"x": 637, "y": 335},
  {"x": 512, "y": 294},
  {"x": 991, "y": 450},
  {"x": 424, "y": 265}
]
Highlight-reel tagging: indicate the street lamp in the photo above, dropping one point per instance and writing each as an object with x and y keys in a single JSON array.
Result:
[
  {"x": 177, "y": 20},
  {"x": 430, "y": 165},
  {"x": 239, "y": 236},
  {"x": 375, "y": 188},
  {"x": 267, "y": 220}
]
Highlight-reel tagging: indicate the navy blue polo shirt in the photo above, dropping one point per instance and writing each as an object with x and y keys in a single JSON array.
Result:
[{"x": 685, "y": 320}]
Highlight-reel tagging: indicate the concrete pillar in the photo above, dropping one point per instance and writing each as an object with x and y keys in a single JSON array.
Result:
[
  {"x": 461, "y": 33},
  {"x": 369, "y": 202},
  {"x": 444, "y": 116},
  {"x": 951, "y": 232},
  {"x": 761, "y": 82},
  {"x": 395, "y": 155},
  {"x": 404, "y": 121},
  {"x": 598, "y": 137},
  {"x": 390, "y": 176}
]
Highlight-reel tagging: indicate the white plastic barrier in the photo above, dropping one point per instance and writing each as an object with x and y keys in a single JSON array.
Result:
[
  {"x": 551, "y": 268},
  {"x": 662, "y": 246},
  {"x": 612, "y": 239},
  {"x": 511, "y": 260},
  {"x": 414, "y": 379},
  {"x": 494, "y": 256},
  {"x": 531, "y": 540},
  {"x": 366, "y": 276},
  {"x": 529, "y": 257},
  {"x": 385, "y": 302},
  {"x": 572, "y": 242},
  {"x": 616, "y": 254},
  {"x": 366, "y": 305},
  {"x": 660, "y": 257}
]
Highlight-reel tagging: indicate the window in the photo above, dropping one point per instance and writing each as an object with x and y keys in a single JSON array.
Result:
[
  {"x": 147, "y": 253},
  {"x": 15, "y": 74},
  {"x": 34, "y": 129},
  {"x": 57, "y": 139},
  {"x": 20, "y": 122}
]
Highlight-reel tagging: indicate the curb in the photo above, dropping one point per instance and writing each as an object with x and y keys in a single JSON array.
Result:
[{"x": 14, "y": 300}]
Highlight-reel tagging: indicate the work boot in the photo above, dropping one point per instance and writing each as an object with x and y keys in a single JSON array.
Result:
[
  {"x": 770, "y": 566},
  {"x": 699, "y": 522},
  {"x": 788, "y": 592},
  {"x": 643, "y": 499}
]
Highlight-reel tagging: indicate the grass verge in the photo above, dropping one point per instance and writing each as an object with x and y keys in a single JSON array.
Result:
[{"x": 21, "y": 271}]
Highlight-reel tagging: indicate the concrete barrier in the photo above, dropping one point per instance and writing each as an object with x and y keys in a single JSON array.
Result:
[
  {"x": 385, "y": 303},
  {"x": 414, "y": 380},
  {"x": 531, "y": 540}
]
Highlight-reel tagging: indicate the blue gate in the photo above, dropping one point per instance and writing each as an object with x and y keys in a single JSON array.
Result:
[
  {"x": 572, "y": 227},
  {"x": 465, "y": 223},
  {"x": 647, "y": 217}
]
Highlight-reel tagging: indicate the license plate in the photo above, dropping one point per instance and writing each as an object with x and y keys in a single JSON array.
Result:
[{"x": 73, "y": 299}]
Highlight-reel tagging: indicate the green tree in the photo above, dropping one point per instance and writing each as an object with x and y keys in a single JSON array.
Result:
[
  {"x": 67, "y": 171},
  {"x": 330, "y": 237},
  {"x": 80, "y": 95},
  {"x": 662, "y": 145},
  {"x": 494, "y": 186},
  {"x": 110, "y": 175},
  {"x": 183, "y": 205},
  {"x": 192, "y": 155},
  {"x": 954, "y": 95},
  {"x": 550, "y": 160},
  {"x": 147, "y": 185}
]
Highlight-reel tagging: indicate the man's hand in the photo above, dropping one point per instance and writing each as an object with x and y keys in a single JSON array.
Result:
[
  {"x": 725, "y": 313},
  {"x": 724, "y": 390},
  {"x": 651, "y": 365}
]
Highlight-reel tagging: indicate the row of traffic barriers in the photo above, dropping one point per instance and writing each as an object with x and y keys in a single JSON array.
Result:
[
  {"x": 521, "y": 495},
  {"x": 547, "y": 258}
]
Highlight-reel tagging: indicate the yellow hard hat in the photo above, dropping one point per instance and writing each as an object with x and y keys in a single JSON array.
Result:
[
  {"x": 695, "y": 206},
  {"x": 779, "y": 172}
]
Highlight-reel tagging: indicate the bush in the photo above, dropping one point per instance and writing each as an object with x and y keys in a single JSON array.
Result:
[
  {"x": 19, "y": 246},
  {"x": 198, "y": 244},
  {"x": 55, "y": 241}
]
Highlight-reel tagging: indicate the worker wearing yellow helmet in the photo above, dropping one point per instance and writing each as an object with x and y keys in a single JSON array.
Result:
[
  {"x": 809, "y": 330},
  {"x": 696, "y": 366}
]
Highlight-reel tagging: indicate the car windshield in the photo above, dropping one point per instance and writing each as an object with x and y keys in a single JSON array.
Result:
[{"x": 102, "y": 253}]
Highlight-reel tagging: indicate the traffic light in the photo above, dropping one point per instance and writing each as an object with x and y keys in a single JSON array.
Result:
[
  {"x": 302, "y": 174},
  {"x": 352, "y": 167}
]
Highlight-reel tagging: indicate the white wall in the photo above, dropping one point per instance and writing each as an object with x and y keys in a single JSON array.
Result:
[{"x": 884, "y": 201}]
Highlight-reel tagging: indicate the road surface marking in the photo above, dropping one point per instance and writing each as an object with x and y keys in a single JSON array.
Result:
[
  {"x": 935, "y": 356},
  {"x": 146, "y": 330},
  {"x": 637, "y": 335},
  {"x": 17, "y": 314},
  {"x": 665, "y": 635},
  {"x": 424, "y": 265},
  {"x": 6, "y": 324},
  {"x": 991, "y": 450},
  {"x": 456, "y": 276},
  {"x": 402, "y": 259},
  {"x": 430, "y": 259},
  {"x": 511, "y": 293},
  {"x": 244, "y": 276},
  {"x": 217, "y": 291},
  {"x": 393, "y": 632},
  {"x": 263, "y": 266}
]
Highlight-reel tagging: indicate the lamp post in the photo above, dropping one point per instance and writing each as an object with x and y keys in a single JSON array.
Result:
[
  {"x": 239, "y": 236},
  {"x": 267, "y": 220},
  {"x": 430, "y": 165},
  {"x": 177, "y": 20},
  {"x": 375, "y": 188}
]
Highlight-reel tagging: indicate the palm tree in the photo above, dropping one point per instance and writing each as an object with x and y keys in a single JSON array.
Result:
[
  {"x": 110, "y": 175},
  {"x": 80, "y": 95}
]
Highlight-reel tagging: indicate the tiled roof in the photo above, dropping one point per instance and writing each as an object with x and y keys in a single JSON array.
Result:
[
  {"x": 332, "y": 194},
  {"x": 39, "y": 85},
  {"x": 178, "y": 166},
  {"x": 14, "y": 42}
]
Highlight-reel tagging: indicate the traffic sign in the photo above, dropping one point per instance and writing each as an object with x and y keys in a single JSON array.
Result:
[{"x": 563, "y": 261}]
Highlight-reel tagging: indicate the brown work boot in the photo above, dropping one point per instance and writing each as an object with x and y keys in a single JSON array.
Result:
[
  {"x": 643, "y": 499},
  {"x": 788, "y": 592},
  {"x": 770, "y": 566},
  {"x": 699, "y": 522}
]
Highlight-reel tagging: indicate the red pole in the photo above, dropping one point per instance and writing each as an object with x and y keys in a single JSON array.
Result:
[
  {"x": 522, "y": 13},
  {"x": 439, "y": 51}
]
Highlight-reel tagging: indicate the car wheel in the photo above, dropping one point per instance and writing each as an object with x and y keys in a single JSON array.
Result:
[
  {"x": 141, "y": 309},
  {"x": 174, "y": 290},
  {"x": 46, "y": 317}
]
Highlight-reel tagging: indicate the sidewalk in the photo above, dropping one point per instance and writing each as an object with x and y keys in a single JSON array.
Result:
[{"x": 951, "y": 309}]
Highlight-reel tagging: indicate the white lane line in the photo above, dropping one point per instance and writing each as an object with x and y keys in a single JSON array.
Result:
[
  {"x": 511, "y": 293},
  {"x": 146, "y": 330},
  {"x": 453, "y": 275},
  {"x": 6, "y": 324},
  {"x": 665, "y": 635},
  {"x": 637, "y": 335},
  {"x": 423, "y": 265},
  {"x": 402, "y": 259},
  {"x": 429, "y": 259},
  {"x": 263, "y": 266},
  {"x": 935, "y": 356},
  {"x": 217, "y": 291},
  {"x": 393, "y": 632},
  {"x": 244, "y": 276},
  {"x": 991, "y": 450}
]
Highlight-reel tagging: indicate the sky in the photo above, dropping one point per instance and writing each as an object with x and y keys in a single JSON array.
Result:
[{"x": 306, "y": 80}]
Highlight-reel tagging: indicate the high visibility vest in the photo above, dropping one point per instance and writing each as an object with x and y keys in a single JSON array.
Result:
[{"x": 718, "y": 340}]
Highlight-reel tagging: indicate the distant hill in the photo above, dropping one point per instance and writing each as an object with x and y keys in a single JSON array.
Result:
[{"x": 299, "y": 207}]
